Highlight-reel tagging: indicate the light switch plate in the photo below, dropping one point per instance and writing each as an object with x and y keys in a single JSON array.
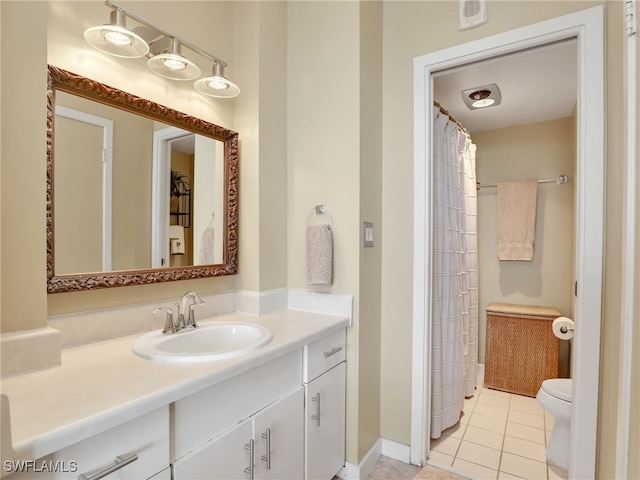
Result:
[{"x": 368, "y": 234}]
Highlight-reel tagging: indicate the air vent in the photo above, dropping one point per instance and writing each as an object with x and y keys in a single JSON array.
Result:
[{"x": 472, "y": 13}]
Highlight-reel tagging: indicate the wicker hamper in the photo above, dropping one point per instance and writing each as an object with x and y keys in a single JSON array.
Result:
[{"x": 522, "y": 350}]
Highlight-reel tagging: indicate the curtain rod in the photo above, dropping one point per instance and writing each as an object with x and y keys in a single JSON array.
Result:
[
  {"x": 451, "y": 117},
  {"x": 560, "y": 180}
]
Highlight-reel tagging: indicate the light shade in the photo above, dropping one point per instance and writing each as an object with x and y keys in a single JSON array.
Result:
[
  {"x": 115, "y": 39},
  {"x": 217, "y": 85},
  {"x": 173, "y": 65}
]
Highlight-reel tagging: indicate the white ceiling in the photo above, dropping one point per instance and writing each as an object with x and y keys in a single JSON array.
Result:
[{"x": 537, "y": 85}]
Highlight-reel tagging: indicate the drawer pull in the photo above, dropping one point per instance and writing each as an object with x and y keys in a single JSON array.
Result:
[
  {"x": 267, "y": 458},
  {"x": 331, "y": 352},
  {"x": 118, "y": 463},
  {"x": 251, "y": 448},
  {"x": 316, "y": 417}
]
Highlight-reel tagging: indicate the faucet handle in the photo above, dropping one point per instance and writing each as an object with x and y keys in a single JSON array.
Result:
[
  {"x": 169, "y": 326},
  {"x": 191, "y": 322}
]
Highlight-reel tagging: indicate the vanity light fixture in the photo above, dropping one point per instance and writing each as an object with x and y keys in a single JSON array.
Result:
[
  {"x": 217, "y": 85},
  {"x": 173, "y": 65},
  {"x": 163, "y": 49},
  {"x": 115, "y": 39},
  {"x": 482, "y": 97}
]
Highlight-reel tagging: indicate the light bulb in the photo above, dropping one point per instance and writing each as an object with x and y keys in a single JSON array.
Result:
[
  {"x": 117, "y": 38},
  {"x": 217, "y": 84},
  {"x": 174, "y": 64},
  {"x": 485, "y": 102}
]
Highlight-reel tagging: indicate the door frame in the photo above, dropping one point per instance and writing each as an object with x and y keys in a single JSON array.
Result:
[
  {"x": 160, "y": 193},
  {"x": 587, "y": 27}
]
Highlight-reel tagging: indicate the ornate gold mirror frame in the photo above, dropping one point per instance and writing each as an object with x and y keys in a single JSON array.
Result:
[{"x": 62, "y": 80}]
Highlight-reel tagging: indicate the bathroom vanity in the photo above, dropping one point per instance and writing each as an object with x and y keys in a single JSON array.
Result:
[{"x": 275, "y": 413}]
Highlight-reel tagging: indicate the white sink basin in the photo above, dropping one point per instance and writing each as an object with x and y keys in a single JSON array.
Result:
[{"x": 209, "y": 342}]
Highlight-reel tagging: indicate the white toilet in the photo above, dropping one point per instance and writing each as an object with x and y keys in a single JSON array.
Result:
[{"x": 555, "y": 398}]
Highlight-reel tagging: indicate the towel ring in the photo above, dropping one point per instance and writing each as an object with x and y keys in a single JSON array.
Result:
[{"x": 320, "y": 215}]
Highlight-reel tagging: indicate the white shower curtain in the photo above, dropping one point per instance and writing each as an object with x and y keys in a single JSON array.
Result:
[{"x": 454, "y": 348}]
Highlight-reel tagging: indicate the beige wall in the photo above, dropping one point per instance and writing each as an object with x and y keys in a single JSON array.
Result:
[
  {"x": 416, "y": 28},
  {"x": 370, "y": 211},
  {"x": 272, "y": 118},
  {"x": 23, "y": 103},
  {"x": 541, "y": 150},
  {"x": 323, "y": 75},
  {"x": 322, "y": 156}
]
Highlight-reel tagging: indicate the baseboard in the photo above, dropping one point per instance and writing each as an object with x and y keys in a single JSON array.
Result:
[
  {"x": 351, "y": 471},
  {"x": 397, "y": 451},
  {"x": 388, "y": 448}
]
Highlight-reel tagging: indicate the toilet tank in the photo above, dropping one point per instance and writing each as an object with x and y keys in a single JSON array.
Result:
[{"x": 522, "y": 350}]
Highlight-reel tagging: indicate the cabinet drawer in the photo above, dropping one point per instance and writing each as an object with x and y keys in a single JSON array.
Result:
[
  {"x": 146, "y": 436},
  {"x": 323, "y": 354}
]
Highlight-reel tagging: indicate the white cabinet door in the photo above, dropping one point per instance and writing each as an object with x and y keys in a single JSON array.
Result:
[
  {"x": 279, "y": 439},
  {"x": 228, "y": 457},
  {"x": 222, "y": 458},
  {"x": 325, "y": 424}
]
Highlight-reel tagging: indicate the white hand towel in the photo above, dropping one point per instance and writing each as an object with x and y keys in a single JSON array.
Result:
[
  {"x": 517, "y": 203},
  {"x": 319, "y": 254},
  {"x": 206, "y": 247}
]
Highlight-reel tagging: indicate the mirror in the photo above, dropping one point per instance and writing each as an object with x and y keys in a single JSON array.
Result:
[{"x": 137, "y": 193}]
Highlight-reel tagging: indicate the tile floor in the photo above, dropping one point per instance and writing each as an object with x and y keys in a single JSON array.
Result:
[
  {"x": 390, "y": 469},
  {"x": 500, "y": 436}
]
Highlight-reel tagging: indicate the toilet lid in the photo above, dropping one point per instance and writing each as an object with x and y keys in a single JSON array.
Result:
[{"x": 558, "y": 387}]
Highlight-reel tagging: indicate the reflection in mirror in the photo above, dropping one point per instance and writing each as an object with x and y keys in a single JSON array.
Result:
[
  {"x": 136, "y": 192},
  {"x": 189, "y": 172}
]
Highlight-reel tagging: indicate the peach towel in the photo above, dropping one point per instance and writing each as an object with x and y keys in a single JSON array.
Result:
[
  {"x": 319, "y": 254},
  {"x": 517, "y": 203}
]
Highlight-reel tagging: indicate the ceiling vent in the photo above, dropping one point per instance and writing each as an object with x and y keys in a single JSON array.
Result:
[{"x": 471, "y": 13}]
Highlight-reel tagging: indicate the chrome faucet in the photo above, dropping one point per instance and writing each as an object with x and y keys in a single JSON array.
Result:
[
  {"x": 174, "y": 326},
  {"x": 183, "y": 320}
]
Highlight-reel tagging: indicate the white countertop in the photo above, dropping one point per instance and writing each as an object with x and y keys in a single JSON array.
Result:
[{"x": 102, "y": 385}]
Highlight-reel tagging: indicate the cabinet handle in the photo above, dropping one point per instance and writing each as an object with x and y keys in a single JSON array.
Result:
[
  {"x": 118, "y": 463},
  {"x": 316, "y": 417},
  {"x": 333, "y": 351},
  {"x": 250, "y": 447},
  {"x": 267, "y": 458}
]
